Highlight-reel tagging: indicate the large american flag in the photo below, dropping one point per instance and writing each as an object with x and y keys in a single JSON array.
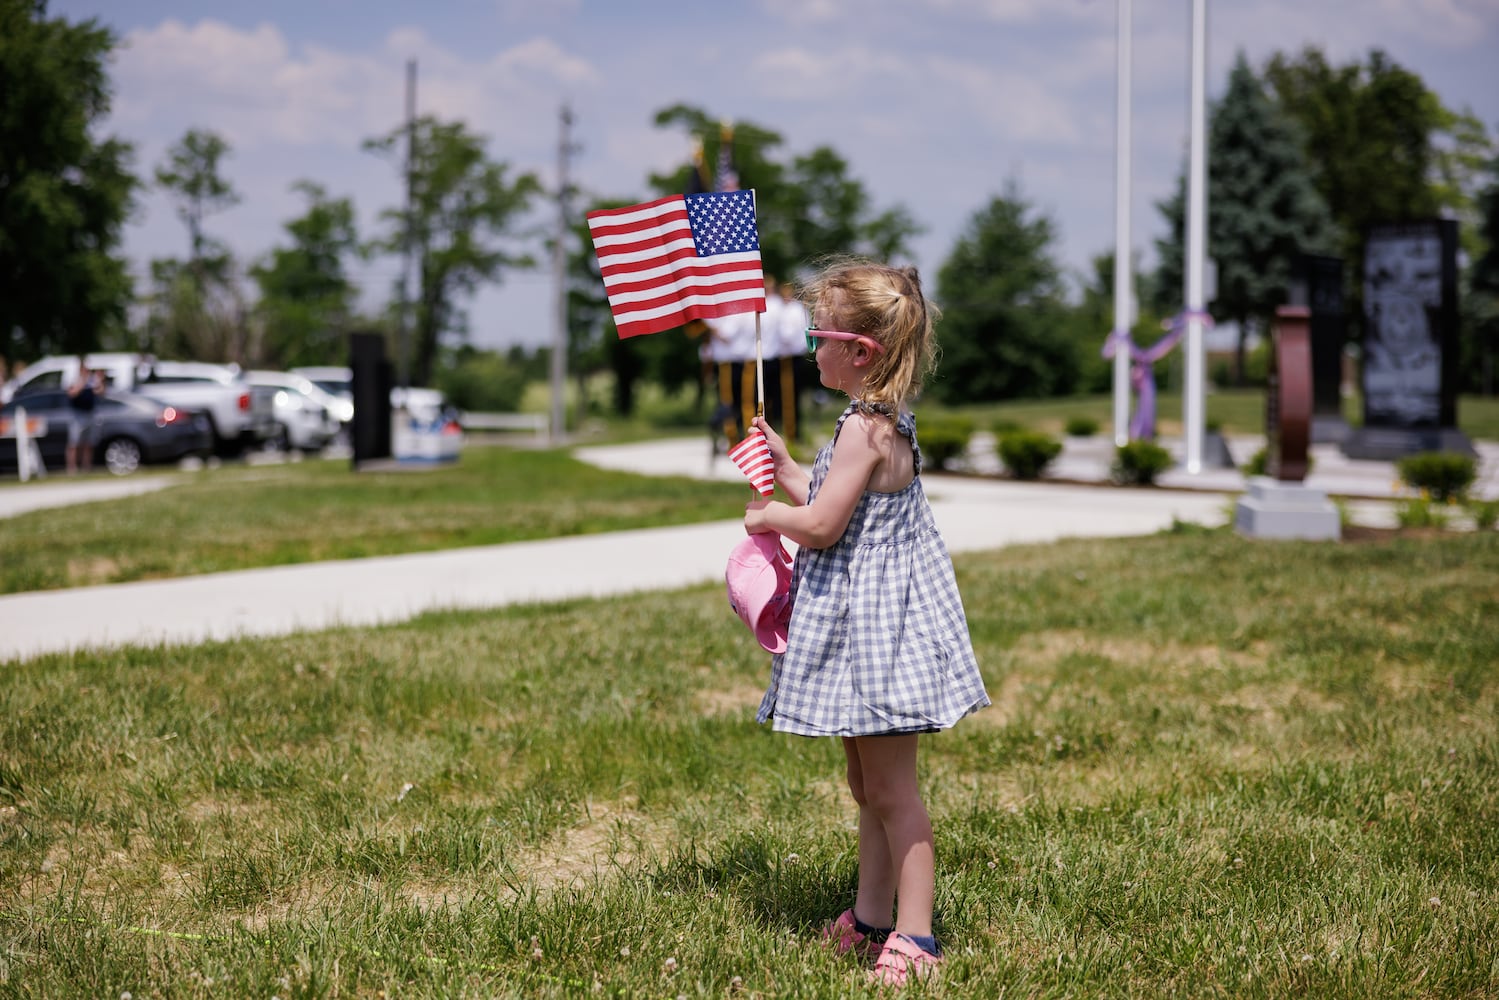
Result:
[{"x": 679, "y": 258}]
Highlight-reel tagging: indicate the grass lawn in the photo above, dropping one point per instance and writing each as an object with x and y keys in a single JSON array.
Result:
[
  {"x": 1214, "y": 767},
  {"x": 240, "y": 517}
]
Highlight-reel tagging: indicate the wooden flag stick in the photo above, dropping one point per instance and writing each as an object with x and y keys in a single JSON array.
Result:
[{"x": 759, "y": 372}]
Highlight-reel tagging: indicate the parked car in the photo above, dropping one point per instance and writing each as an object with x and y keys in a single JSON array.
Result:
[
  {"x": 425, "y": 406},
  {"x": 337, "y": 382},
  {"x": 239, "y": 416},
  {"x": 129, "y": 430},
  {"x": 305, "y": 415}
]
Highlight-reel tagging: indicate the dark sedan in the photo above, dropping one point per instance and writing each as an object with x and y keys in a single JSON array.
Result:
[{"x": 129, "y": 431}]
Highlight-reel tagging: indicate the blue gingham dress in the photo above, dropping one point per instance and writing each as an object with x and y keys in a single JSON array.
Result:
[{"x": 878, "y": 641}]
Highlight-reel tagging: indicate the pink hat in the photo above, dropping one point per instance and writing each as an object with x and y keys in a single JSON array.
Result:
[{"x": 759, "y": 580}]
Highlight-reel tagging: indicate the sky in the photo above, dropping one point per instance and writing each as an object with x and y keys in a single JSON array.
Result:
[{"x": 936, "y": 105}]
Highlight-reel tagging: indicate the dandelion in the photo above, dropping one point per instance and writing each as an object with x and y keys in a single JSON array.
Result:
[
  {"x": 125, "y": 995},
  {"x": 1434, "y": 903},
  {"x": 624, "y": 952},
  {"x": 536, "y": 954},
  {"x": 670, "y": 965},
  {"x": 793, "y": 858},
  {"x": 993, "y": 865}
]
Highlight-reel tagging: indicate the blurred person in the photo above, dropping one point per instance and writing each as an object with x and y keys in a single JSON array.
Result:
[
  {"x": 85, "y": 390},
  {"x": 795, "y": 366},
  {"x": 734, "y": 368}
]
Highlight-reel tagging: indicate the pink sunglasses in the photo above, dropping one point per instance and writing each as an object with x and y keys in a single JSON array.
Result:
[{"x": 869, "y": 342}]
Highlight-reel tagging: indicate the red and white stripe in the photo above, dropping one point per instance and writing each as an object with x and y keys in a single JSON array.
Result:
[{"x": 752, "y": 455}]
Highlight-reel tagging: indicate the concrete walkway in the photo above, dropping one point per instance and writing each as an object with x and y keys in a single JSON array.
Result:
[{"x": 973, "y": 512}]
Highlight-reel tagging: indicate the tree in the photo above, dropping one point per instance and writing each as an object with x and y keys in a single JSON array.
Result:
[
  {"x": 1382, "y": 146},
  {"x": 1002, "y": 298},
  {"x": 64, "y": 193},
  {"x": 191, "y": 175},
  {"x": 196, "y": 308},
  {"x": 805, "y": 210},
  {"x": 1264, "y": 208},
  {"x": 306, "y": 297},
  {"x": 462, "y": 205},
  {"x": 1482, "y": 301}
]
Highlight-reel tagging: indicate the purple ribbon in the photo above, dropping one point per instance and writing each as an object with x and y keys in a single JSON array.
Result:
[{"x": 1142, "y": 367}]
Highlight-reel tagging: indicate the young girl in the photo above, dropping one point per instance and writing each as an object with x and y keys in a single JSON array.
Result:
[{"x": 877, "y": 649}]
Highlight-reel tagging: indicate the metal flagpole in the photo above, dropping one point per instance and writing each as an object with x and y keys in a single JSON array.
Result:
[
  {"x": 1192, "y": 403},
  {"x": 1123, "y": 292}
]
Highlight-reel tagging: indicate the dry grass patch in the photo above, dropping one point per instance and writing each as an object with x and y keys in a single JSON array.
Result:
[{"x": 615, "y": 837}]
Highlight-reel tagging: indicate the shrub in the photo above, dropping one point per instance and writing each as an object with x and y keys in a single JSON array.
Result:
[
  {"x": 943, "y": 440},
  {"x": 1257, "y": 462},
  {"x": 1260, "y": 460},
  {"x": 1419, "y": 512},
  {"x": 1444, "y": 476},
  {"x": 1485, "y": 513},
  {"x": 483, "y": 382},
  {"x": 1027, "y": 453},
  {"x": 1139, "y": 462},
  {"x": 1081, "y": 427}
]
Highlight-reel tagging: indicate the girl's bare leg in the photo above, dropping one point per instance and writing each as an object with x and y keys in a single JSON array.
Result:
[
  {"x": 875, "y": 902},
  {"x": 892, "y": 800}
]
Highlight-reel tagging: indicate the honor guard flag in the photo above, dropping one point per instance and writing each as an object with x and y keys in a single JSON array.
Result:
[
  {"x": 753, "y": 457},
  {"x": 679, "y": 258}
]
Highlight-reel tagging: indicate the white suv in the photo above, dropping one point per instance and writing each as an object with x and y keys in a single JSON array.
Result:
[{"x": 306, "y": 416}]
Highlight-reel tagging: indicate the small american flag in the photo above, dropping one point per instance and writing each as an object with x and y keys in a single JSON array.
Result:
[
  {"x": 679, "y": 258},
  {"x": 752, "y": 455}
]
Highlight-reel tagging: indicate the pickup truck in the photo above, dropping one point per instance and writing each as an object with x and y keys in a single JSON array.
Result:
[{"x": 240, "y": 415}]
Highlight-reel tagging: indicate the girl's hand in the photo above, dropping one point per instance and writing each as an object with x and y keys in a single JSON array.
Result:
[
  {"x": 790, "y": 476},
  {"x": 778, "y": 449},
  {"x": 755, "y": 522}
]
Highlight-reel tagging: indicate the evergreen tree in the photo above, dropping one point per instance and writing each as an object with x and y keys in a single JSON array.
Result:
[
  {"x": 1263, "y": 208},
  {"x": 1001, "y": 293},
  {"x": 1481, "y": 304}
]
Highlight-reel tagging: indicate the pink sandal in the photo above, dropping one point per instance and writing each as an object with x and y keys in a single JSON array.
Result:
[
  {"x": 843, "y": 937},
  {"x": 902, "y": 958}
]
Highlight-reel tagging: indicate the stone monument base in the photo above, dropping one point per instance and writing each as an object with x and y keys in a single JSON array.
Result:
[
  {"x": 1275, "y": 509},
  {"x": 1329, "y": 429},
  {"x": 1390, "y": 444}
]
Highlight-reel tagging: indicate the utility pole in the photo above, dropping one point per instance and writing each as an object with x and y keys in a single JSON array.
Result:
[
  {"x": 565, "y": 149},
  {"x": 403, "y": 361}
]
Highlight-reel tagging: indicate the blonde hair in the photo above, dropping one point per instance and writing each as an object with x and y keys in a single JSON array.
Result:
[{"x": 886, "y": 304}]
